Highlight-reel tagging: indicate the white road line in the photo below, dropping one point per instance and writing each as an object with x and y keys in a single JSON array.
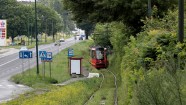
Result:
[
  {"x": 7, "y": 55},
  {"x": 10, "y": 85},
  {"x": 8, "y": 62},
  {"x": 21, "y": 85}
]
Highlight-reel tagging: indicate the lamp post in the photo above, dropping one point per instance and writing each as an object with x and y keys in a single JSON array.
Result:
[
  {"x": 46, "y": 31},
  {"x": 181, "y": 21},
  {"x": 149, "y": 8},
  {"x": 37, "y": 60},
  {"x": 28, "y": 31}
]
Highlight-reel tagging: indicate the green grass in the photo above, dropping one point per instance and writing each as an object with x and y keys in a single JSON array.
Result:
[
  {"x": 73, "y": 94},
  {"x": 106, "y": 92},
  {"x": 59, "y": 66}
]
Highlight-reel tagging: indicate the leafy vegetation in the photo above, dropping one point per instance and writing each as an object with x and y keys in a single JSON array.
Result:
[{"x": 129, "y": 12}]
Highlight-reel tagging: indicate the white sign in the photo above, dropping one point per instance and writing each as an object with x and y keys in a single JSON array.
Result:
[
  {"x": 3, "y": 32},
  {"x": 75, "y": 66},
  {"x": 49, "y": 55}
]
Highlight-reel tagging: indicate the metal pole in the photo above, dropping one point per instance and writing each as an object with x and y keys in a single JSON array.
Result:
[
  {"x": 149, "y": 8},
  {"x": 31, "y": 34},
  {"x": 181, "y": 21},
  {"x": 22, "y": 66},
  {"x": 37, "y": 60},
  {"x": 53, "y": 31},
  {"x": 29, "y": 65},
  {"x": 28, "y": 31},
  {"x": 50, "y": 68},
  {"x": 46, "y": 32},
  {"x": 44, "y": 69}
]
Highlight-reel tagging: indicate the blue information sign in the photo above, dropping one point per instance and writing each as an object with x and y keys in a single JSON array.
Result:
[
  {"x": 42, "y": 54},
  {"x": 70, "y": 52},
  {"x": 25, "y": 54},
  {"x": 48, "y": 57}
]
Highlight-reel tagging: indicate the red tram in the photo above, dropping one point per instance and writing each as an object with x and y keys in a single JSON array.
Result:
[{"x": 98, "y": 57}]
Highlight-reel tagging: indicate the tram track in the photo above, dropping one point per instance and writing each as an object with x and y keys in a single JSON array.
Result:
[{"x": 106, "y": 76}]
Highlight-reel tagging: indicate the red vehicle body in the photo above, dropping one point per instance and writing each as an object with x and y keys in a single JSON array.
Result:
[{"x": 98, "y": 57}]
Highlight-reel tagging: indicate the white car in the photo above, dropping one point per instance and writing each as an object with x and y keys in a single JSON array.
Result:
[
  {"x": 23, "y": 48},
  {"x": 62, "y": 40}
]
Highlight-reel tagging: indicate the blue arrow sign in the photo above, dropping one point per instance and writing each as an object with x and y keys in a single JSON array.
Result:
[{"x": 25, "y": 54}]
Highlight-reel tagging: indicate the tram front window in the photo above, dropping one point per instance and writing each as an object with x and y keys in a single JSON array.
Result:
[{"x": 99, "y": 54}]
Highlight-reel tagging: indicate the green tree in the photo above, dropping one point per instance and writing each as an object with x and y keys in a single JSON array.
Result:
[
  {"x": 129, "y": 12},
  {"x": 17, "y": 16},
  {"x": 87, "y": 26},
  {"x": 57, "y": 5}
]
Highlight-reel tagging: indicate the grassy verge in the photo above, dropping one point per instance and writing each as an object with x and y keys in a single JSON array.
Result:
[
  {"x": 45, "y": 93},
  {"x": 106, "y": 92},
  {"x": 73, "y": 94}
]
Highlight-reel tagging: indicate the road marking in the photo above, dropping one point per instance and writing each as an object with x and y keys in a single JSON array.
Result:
[
  {"x": 10, "y": 85},
  {"x": 21, "y": 85},
  {"x": 8, "y": 62}
]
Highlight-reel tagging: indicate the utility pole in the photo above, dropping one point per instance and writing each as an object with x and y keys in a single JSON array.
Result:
[
  {"x": 28, "y": 31},
  {"x": 36, "y": 34},
  {"x": 53, "y": 31},
  {"x": 149, "y": 8},
  {"x": 181, "y": 21},
  {"x": 46, "y": 32}
]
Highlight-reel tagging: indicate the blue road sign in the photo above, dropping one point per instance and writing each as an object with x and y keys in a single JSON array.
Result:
[
  {"x": 42, "y": 54},
  {"x": 48, "y": 57},
  {"x": 25, "y": 54},
  {"x": 70, "y": 52}
]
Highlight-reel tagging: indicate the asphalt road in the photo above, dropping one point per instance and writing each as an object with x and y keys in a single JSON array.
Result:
[{"x": 11, "y": 65}]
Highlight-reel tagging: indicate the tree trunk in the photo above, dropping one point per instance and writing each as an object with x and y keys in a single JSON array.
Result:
[{"x": 86, "y": 34}]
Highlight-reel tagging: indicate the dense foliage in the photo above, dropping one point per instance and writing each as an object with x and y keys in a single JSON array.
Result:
[
  {"x": 129, "y": 12},
  {"x": 152, "y": 64}
]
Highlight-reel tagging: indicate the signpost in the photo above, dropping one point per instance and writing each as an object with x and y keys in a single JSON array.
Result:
[
  {"x": 3, "y": 32},
  {"x": 25, "y": 55},
  {"x": 45, "y": 57}
]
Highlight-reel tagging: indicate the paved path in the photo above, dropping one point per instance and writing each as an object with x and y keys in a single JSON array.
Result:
[{"x": 11, "y": 90}]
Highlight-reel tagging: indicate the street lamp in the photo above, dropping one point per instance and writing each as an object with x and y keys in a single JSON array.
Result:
[
  {"x": 37, "y": 60},
  {"x": 181, "y": 21},
  {"x": 149, "y": 8}
]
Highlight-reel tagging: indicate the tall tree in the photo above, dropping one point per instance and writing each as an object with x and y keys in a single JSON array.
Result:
[{"x": 87, "y": 26}]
